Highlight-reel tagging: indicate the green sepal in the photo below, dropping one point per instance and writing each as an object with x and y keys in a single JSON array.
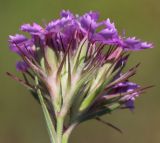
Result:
[
  {"x": 80, "y": 54},
  {"x": 42, "y": 63},
  {"x": 79, "y": 98},
  {"x": 88, "y": 101},
  {"x": 99, "y": 112},
  {"x": 71, "y": 95},
  {"x": 51, "y": 59},
  {"x": 35, "y": 95}
]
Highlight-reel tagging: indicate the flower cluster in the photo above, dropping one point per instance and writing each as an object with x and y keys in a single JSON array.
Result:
[{"x": 76, "y": 64}]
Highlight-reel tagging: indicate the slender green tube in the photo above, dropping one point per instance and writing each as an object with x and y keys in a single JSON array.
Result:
[{"x": 60, "y": 121}]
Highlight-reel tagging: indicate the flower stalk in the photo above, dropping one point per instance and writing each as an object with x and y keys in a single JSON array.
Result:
[
  {"x": 75, "y": 71},
  {"x": 60, "y": 122}
]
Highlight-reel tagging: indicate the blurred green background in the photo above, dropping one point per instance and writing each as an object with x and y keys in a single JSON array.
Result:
[{"x": 21, "y": 119}]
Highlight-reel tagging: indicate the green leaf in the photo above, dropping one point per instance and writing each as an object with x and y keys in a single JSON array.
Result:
[
  {"x": 80, "y": 54},
  {"x": 51, "y": 58},
  {"x": 50, "y": 126}
]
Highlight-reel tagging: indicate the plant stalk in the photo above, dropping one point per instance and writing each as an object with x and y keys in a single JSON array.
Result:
[{"x": 60, "y": 122}]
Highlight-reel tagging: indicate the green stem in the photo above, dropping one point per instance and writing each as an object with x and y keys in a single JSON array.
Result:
[
  {"x": 68, "y": 132},
  {"x": 65, "y": 139},
  {"x": 60, "y": 121}
]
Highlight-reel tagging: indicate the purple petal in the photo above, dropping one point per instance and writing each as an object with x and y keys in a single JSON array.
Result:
[
  {"x": 66, "y": 13},
  {"x": 62, "y": 30},
  {"x": 52, "y": 25},
  {"x": 109, "y": 34},
  {"x": 89, "y": 22},
  {"x": 22, "y": 66},
  {"x": 19, "y": 44},
  {"x": 37, "y": 32},
  {"x": 110, "y": 31},
  {"x": 124, "y": 87},
  {"x": 17, "y": 38},
  {"x": 130, "y": 104},
  {"x": 135, "y": 44},
  {"x": 146, "y": 45},
  {"x": 94, "y": 15},
  {"x": 127, "y": 86},
  {"x": 109, "y": 25},
  {"x": 32, "y": 29},
  {"x": 59, "y": 24}
]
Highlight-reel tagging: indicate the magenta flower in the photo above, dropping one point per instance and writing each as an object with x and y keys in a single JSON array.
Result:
[
  {"x": 135, "y": 44},
  {"x": 19, "y": 44},
  {"x": 22, "y": 66},
  {"x": 75, "y": 70}
]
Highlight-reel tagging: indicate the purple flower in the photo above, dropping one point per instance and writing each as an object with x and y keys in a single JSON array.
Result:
[
  {"x": 17, "y": 39},
  {"x": 20, "y": 44},
  {"x": 22, "y": 66},
  {"x": 88, "y": 22},
  {"x": 76, "y": 63},
  {"x": 135, "y": 44},
  {"x": 37, "y": 32},
  {"x": 127, "y": 87},
  {"x": 108, "y": 35},
  {"x": 129, "y": 104},
  {"x": 34, "y": 29},
  {"x": 61, "y": 31},
  {"x": 59, "y": 24},
  {"x": 66, "y": 13},
  {"x": 110, "y": 32}
]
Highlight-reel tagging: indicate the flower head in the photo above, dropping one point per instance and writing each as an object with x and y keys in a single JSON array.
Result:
[
  {"x": 77, "y": 67},
  {"x": 20, "y": 44}
]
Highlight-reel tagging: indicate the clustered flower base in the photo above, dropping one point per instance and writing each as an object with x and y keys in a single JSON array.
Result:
[{"x": 73, "y": 67}]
